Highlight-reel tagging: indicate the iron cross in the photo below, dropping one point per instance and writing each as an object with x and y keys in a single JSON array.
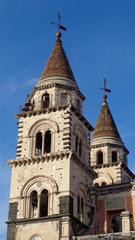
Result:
[
  {"x": 58, "y": 24},
  {"x": 105, "y": 89}
]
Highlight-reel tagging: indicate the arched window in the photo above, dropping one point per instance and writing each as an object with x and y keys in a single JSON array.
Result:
[
  {"x": 47, "y": 142},
  {"x": 103, "y": 184},
  {"x": 100, "y": 157},
  {"x": 45, "y": 100},
  {"x": 33, "y": 204},
  {"x": 44, "y": 203},
  {"x": 80, "y": 148},
  {"x": 96, "y": 185},
  {"x": 76, "y": 144},
  {"x": 114, "y": 156},
  {"x": 38, "y": 148}
]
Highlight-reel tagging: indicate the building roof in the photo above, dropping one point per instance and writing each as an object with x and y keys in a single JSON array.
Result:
[
  {"x": 105, "y": 126},
  {"x": 58, "y": 65}
]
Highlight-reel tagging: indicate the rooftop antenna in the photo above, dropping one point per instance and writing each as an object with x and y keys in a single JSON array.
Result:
[
  {"x": 105, "y": 89},
  {"x": 58, "y": 24}
]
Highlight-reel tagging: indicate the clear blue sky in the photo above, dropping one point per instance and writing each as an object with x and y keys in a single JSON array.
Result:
[{"x": 100, "y": 43}]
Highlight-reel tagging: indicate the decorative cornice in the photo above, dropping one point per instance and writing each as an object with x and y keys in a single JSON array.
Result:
[
  {"x": 40, "y": 111},
  {"x": 61, "y": 86},
  {"x": 120, "y": 163},
  {"x": 43, "y": 158},
  {"x": 51, "y": 157},
  {"x": 53, "y": 217},
  {"x": 110, "y": 145},
  {"x": 106, "y": 165},
  {"x": 114, "y": 188}
]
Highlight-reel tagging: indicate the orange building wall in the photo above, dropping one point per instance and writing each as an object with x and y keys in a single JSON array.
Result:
[
  {"x": 131, "y": 209},
  {"x": 100, "y": 218},
  {"x": 103, "y": 218}
]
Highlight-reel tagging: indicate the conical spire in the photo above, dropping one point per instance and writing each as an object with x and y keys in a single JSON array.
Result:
[
  {"x": 105, "y": 126},
  {"x": 58, "y": 65}
]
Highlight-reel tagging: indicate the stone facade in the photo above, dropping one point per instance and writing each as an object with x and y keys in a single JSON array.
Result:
[
  {"x": 51, "y": 174},
  {"x": 67, "y": 180}
]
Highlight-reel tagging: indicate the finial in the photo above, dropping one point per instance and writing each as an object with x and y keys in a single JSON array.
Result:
[
  {"x": 58, "y": 36},
  {"x": 59, "y": 27},
  {"x": 105, "y": 98},
  {"x": 105, "y": 89}
]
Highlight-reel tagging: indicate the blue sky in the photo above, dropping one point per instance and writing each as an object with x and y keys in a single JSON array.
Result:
[{"x": 100, "y": 43}]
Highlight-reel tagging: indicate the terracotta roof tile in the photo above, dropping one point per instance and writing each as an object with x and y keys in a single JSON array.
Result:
[
  {"x": 58, "y": 64},
  {"x": 105, "y": 126}
]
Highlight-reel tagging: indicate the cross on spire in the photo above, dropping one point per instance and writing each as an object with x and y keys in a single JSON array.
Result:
[
  {"x": 105, "y": 89},
  {"x": 58, "y": 24}
]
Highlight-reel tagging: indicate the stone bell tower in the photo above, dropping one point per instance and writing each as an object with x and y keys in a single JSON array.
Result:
[
  {"x": 51, "y": 175},
  {"x": 108, "y": 152}
]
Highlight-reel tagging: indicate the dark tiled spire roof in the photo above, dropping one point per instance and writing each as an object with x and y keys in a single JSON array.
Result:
[
  {"x": 58, "y": 64},
  {"x": 105, "y": 126}
]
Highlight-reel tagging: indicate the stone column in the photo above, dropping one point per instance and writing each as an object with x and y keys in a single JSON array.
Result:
[{"x": 125, "y": 216}]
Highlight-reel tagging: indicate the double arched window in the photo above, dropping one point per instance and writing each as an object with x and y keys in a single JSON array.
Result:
[
  {"x": 99, "y": 157},
  {"x": 42, "y": 137},
  {"x": 43, "y": 143},
  {"x": 45, "y": 100},
  {"x": 37, "y": 197},
  {"x": 38, "y": 204}
]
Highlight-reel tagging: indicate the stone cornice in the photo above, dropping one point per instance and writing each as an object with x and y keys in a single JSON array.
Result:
[
  {"x": 43, "y": 158},
  {"x": 51, "y": 157},
  {"x": 35, "y": 220},
  {"x": 106, "y": 165},
  {"x": 112, "y": 189},
  {"x": 109, "y": 145},
  {"x": 40, "y": 111},
  {"x": 62, "y": 86},
  {"x": 121, "y": 164}
]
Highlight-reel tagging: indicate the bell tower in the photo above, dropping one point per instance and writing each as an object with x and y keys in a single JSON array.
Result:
[
  {"x": 108, "y": 152},
  {"x": 51, "y": 175}
]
